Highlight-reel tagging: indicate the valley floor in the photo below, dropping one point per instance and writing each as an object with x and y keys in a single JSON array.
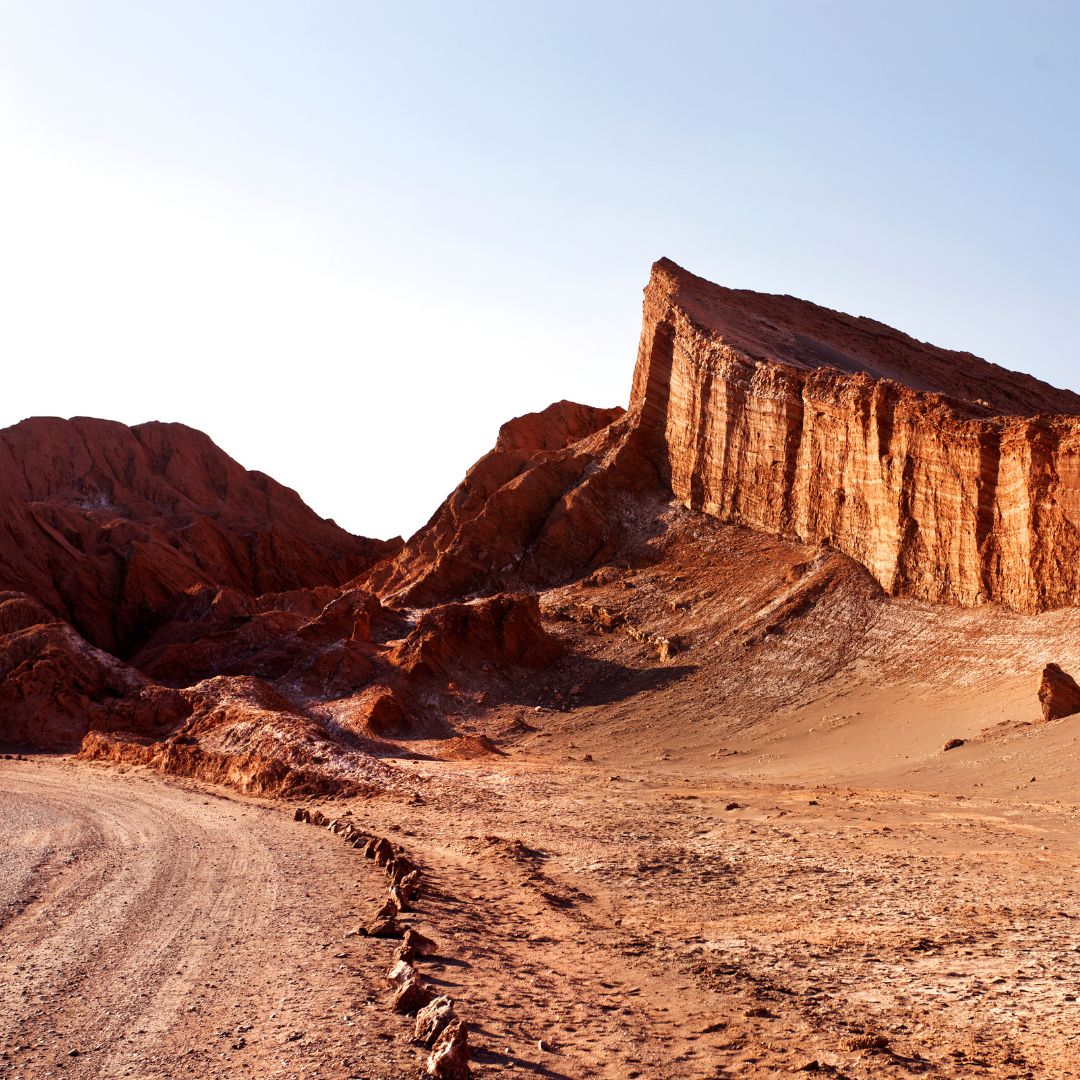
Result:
[{"x": 595, "y": 919}]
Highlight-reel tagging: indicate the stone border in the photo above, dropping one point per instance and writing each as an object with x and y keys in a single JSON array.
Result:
[{"x": 437, "y": 1026}]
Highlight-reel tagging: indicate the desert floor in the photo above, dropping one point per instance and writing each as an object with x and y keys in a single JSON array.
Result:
[{"x": 595, "y": 918}]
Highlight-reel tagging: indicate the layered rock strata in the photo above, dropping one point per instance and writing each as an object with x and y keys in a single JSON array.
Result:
[{"x": 939, "y": 472}]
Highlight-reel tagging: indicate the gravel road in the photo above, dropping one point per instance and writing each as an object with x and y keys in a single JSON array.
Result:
[{"x": 152, "y": 930}]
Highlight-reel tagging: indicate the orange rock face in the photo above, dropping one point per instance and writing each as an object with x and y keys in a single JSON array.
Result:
[
  {"x": 1059, "y": 694},
  {"x": 937, "y": 471},
  {"x": 539, "y": 506}
]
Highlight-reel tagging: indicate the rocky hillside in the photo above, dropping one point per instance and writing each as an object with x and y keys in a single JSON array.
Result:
[
  {"x": 108, "y": 526},
  {"x": 199, "y": 618}
]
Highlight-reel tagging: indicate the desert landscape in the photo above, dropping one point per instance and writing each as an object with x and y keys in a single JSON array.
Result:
[{"x": 733, "y": 733}]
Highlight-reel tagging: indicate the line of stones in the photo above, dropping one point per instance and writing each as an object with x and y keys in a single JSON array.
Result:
[{"x": 437, "y": 1027}]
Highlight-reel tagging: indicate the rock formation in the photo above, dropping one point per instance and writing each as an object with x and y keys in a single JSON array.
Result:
[
  {"x": 1059, "y": 694},
  {"x": 175, "y": 610},
  {"x": 541, "y": 505},
  {"x": 941, "y": 473},
  {"x": 495, "y": 632},
  {"x": 108, "y": 526}
]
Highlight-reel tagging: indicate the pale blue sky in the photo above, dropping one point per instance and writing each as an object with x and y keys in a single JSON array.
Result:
[{"x": 348, "y": 240}]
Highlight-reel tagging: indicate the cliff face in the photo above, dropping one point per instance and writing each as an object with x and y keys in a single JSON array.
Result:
[{"x": 939, "y": 472}]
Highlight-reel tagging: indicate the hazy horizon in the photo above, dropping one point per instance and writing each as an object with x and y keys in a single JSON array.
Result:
[{"x": 348, "y": 242}]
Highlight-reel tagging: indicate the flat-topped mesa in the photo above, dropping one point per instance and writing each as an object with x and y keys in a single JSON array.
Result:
[{"x": 951, "y": 479}]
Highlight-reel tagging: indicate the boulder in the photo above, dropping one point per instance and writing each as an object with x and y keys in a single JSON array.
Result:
[
  {"x": 382, "y": 852},
  {"x": 421, "y": 945},
  {"x": 384, "y": 927},
  {"x": 399, "y": 867},
  {"x": 411, "y": 995},
  {"x": 1059, "y": 694}
]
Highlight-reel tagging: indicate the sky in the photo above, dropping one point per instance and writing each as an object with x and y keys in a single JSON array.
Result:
[{"x": 349, "y": 240}]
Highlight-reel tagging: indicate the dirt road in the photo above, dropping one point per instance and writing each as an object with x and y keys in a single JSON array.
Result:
[
  {"x": 595, "y": 923},
  {"x": 149, "y": 930}
]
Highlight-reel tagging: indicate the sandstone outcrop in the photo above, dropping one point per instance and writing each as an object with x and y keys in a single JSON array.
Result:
[
  {"x": 1059, "y": 694},
  {"x": 54, "y": 686},
  {"x": 541, "y": 506},
  {"x": 939, "y": 472},
  {"x": 495, "y": 632}
]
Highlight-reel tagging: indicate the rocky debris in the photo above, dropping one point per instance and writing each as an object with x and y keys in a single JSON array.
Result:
[
  {"x": 411, "y": 995},
  {"x": 602, "y": 620},
  {"x": 952, "y": 744},
  {"x": 432, "y": 1019},
  {"x": 449, "y": 1058},
  {"x": 1059, "y": 694}
]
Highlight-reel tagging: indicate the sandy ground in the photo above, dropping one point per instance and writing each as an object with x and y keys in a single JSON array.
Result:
[
  {"x": 595, "y": 919},
  {"x": 153, "y": 930},
  {"x": 754, "y": 859}
]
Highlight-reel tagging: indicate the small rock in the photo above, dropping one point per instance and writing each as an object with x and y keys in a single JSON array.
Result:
[
  {"x": 432, "y": 1019},
  {"x": 421, "y": 945},
  {"x": 952, "y": 744},
  {"x": 866, "y": 1042},
  {"x": 449, "y": 1058},
  {"x": 411, "y": 996},
  {"x": 389, "y": 928},
  {"x": 400, "y": 867},
  {"x": 410, "y": 885},
  {"x": 389, "y": 910},
  {"x": 400, "y": 973}
]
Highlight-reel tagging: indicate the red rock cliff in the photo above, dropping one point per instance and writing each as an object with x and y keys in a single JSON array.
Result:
[{"x": 949, "y": 478}]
